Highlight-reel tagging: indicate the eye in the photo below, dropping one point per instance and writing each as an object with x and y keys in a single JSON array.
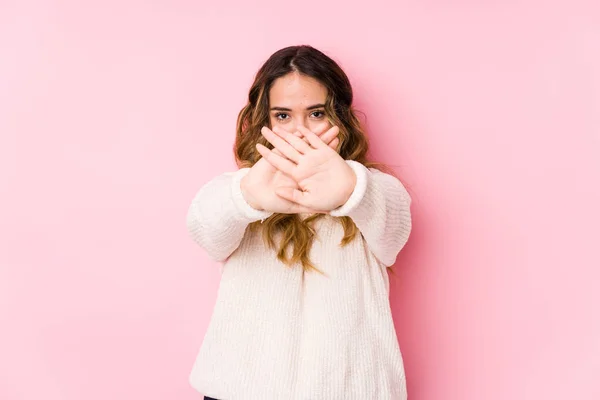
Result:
[
  {"x": 320, "y": 114},
  {"x": 281, "y": 116}
]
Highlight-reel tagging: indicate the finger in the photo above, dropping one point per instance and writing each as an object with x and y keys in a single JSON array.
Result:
[
  {"x": 299, "y": 144},
  {"x": 313, "y": 139},
  {"x": 280, "y": 144},
  {"x": 330, "y": 134},
  {"x": 292, "y": 195},
  {"x": 297, "y": 133},
  {"x": 289, "y": 194},
  {"x": 334, "y": 143},
  {"x": 279, "y": 162}
]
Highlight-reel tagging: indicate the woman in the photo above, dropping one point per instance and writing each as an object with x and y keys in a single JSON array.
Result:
[{"x": 305, "y": 229}]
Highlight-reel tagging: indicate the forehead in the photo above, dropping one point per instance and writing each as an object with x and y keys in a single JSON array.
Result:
[{"x": 296, "y": 90}]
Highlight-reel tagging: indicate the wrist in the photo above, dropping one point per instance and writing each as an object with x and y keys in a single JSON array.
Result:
[
  {"x": 360, "y": 183},
  {"x": 350, "y": 187},
  {"x": 246, "y": 194}
]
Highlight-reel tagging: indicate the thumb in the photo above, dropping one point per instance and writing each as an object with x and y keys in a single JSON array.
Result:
[
  {"x": 334, "y": 143},
  {"x": 291, "y": 194}
]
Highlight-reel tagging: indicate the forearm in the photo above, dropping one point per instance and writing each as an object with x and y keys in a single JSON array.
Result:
[
  {"x": 380, "y": 208},
  {"x": 219, "y": 214}
]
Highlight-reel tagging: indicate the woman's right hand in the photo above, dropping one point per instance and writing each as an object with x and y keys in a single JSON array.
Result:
[{"x": 258, "y": 186}]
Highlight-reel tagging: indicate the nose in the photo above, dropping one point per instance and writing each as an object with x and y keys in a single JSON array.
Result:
[
  {"x": 293, "y": 126},
  {"x": 296, "y": 124}
]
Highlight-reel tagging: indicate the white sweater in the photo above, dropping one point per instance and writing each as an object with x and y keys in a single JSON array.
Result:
[{"x": 278, "y": 333}]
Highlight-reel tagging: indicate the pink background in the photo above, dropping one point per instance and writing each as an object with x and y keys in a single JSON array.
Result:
[{"x": 113, "y": 113}]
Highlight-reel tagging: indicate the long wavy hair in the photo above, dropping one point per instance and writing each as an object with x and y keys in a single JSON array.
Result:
[{"x": 297, "y": 235}]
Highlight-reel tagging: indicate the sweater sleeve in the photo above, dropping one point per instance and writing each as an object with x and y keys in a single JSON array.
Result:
[
  {"x": 219, "y": 214},
  {"x": 380, "y": 208}
]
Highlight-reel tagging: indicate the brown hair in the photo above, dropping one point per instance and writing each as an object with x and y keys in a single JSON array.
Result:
[{"x": 299, "y": 234}]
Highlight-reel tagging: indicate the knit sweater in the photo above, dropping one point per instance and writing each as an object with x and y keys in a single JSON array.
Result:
[{"x": 280, "y": 333}]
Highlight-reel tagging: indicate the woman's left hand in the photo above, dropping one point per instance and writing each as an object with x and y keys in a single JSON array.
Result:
[{"x": 325, "y": 180}]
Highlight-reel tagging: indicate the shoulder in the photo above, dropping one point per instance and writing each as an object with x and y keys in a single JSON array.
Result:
[
  {"x": 384, "y": 173},
  {"x": 387, "y": 180}
]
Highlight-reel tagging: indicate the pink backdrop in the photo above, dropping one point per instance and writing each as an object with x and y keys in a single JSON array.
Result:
[{"x": 113, "y": 113}]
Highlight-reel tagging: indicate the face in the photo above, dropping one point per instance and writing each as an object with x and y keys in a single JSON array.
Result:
[{"x": 298, "y": 100}]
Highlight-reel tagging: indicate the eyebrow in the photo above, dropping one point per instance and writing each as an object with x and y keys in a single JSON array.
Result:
[{"x": 289, "y": 109}]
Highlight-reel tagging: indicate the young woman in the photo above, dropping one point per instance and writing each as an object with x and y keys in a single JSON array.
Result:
[{"x": 305, "y": 229}]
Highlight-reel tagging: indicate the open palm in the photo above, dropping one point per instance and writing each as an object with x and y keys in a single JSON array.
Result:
[{"x": 325, "y": 181}]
